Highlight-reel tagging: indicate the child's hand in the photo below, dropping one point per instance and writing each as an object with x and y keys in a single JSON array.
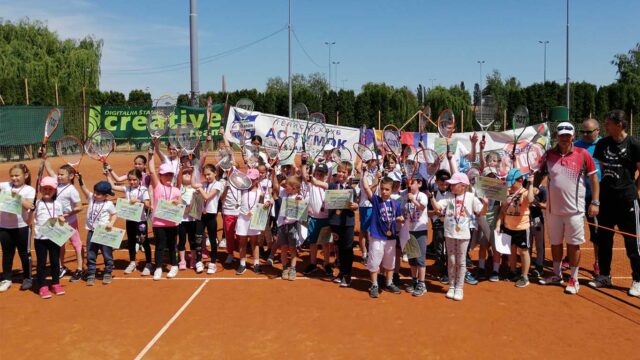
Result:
[
  {"x": 61, "y": 219},
  {"x": 353, "y": 206},
  {"x": 108, "y": 227},
  {"x": 267, "y": 204},
  {"x": 411, "y": 197},
  {"x": 197, "y": 186},
  {"x": 175, "y": 201},
  {"x": 133, "y": 201},
  {"x": 400, "y": 219}
]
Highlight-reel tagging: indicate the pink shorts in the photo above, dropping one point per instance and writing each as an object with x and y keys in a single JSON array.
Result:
[{"x": 75, "y": 238}]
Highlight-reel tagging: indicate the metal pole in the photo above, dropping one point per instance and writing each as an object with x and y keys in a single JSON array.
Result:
[
  {"x": 481, "y": 87},
  {"x": 84, "y": 114},
  {"x": 568, "y": 82},
  {"x": 57, "y": 102},
  {"x": 26, "y": 89},
  {"x": 329, "y": 43},
  {"x": 290, "y": 85},
  {"x": 336, "y": 63},
  {"x": 193, "y": 31},
  {"x": 544, "y": 43}
]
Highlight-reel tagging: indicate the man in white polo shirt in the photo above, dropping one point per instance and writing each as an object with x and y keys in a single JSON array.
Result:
[{"x": 567, "y": 167}]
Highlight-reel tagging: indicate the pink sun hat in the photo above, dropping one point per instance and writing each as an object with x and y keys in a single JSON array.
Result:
[{"x": 459, "y": 178}]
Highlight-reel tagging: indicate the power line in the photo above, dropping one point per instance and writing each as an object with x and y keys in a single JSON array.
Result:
[{"x": 304, "y": 50}]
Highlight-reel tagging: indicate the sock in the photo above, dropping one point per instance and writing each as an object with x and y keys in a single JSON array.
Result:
[
  {"x": 256, "y": 262},
  {"x": 389, "y": 282},
  {"x": 481, "y": 263},
  {"x": 556, "y": 268},
  {"x": 574, "y": 272},
  {"x": 374, "y": 284},
  {"x": 243, "y": 262},
  {"x": 496, "y": 267}
]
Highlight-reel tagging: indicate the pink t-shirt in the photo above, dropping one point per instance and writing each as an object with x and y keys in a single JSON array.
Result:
[
  {"x": 567, "y": 180},
  {"x": 161, "y": 192}
]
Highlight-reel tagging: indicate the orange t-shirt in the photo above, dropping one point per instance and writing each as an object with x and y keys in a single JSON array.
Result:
[{"x": 517, "y": 211}]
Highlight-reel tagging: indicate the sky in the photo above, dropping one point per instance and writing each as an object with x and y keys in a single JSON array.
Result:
[{"x": 400, "y": 43}]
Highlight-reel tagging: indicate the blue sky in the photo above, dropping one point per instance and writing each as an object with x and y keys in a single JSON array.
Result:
[{"x": 402, "y": 42}]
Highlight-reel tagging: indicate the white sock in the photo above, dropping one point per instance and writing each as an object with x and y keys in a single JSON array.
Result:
[
  {"x": 256, "y": 262},
  {"x": 556, "y": 268},
  {"x": 243, "y": 262},
  {"x": 574, "y": 272},
  {"x": 481, "y": 263},
  {"x": 389, "y": 282}
]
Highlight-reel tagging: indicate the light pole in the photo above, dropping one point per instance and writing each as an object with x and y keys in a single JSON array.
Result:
[
  {"x": 329, "y": 44},
  {"x": 544, "y": 43},
  {"x": 336, "y": 63}
]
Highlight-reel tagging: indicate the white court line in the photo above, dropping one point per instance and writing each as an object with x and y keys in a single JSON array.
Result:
[
  {"x": 171, "y": 321},
  {"x": 212, "y": 279}
]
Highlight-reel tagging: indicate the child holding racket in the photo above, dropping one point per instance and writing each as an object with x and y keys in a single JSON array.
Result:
[
  {"x": 364, "y": 206},
  {"x": 69, "y": 197},
  {"x": 288, "y": 228},
  {"x": 417, "y": 221},
  {"x": 14, "y": 231},
  {"x": 230, "y": 211},
  {"x": 318, "y": 221},
  {"x": 188, "y": 227},
  {"x": 210, "y": 191},
  {"x": 440, "y": 191},
  {"x": 249, "y": 200},
  {"x": 140, "y": 164},
  {"x": 100, "y": 212},
  {"x": 137, "y": 232},
  {"x": 457, "y": 208},
  {"x": 48, "y": 208},
  {"x": 165, "y": 231}
]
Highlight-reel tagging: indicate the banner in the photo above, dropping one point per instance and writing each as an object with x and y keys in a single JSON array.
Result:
[
  {"x": 24, "y": 125},
  {"x": 130, "y": 123}
]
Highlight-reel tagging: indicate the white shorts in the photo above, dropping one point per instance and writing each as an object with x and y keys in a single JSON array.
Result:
[
  {"x": 567, "y": 227},
  {"x": 242, "y": 226},
  {"x": 381, "y": 252}
]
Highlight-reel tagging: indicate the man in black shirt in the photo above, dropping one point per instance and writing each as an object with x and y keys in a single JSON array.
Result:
[{"x": 619, "y": 156}]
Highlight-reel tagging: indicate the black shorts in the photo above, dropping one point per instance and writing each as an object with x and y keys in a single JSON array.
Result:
[{"x": 519, "y": 238}]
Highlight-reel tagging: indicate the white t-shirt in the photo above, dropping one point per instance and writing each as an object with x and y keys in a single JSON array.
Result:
[
  {"x": 364, "y": 199},
  {"x": 12, "y": 221},
  {"x": 44, "y": 212},
  {"x": 316, "y": 202},
  {"x": 98, "y": 213},
  {"x": 68, "y": 196},
  {"x": 186, "y": 196},
  {"x": 438, "y": 195},
  {"x": 211, "y": 206},
  {"x": 141, "y": 194},
  {"x": 457, "y": 214},
  {"x": 231, "y": 204},
  {"x": 417, "y": 219},
  {"x": 249, "y": 199}
]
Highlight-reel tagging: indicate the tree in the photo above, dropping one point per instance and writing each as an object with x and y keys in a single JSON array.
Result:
[
  {"x": 628, "y": 66},
  {"x": 477, "y": 94},
  {"x": 139, "y": 98}
]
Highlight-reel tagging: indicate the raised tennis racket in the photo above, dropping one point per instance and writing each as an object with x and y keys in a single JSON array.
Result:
[
  {"x": 340, "y": 155},
  {"x": 485, "y": 113},
  {"x": 315, "y": 140},
  {"x": 300, "y": 112},
  {"x": 157, "y": 123},
  {"x": 446, "y": 125},
  {"x": 209, "y": 113},
  {"x": 519, "y": 120},
  {"x": 392, "y": 141},
  {"x": 535, "y": 157},
  {"x": 70, "y": 149},
  {"x": 239, "y": 180},
  {"x": 101, "y": 144},
  {"x": 425, "y": 164},
  {"x": 423, "y": 120},
  {"x": 317, "y": 117},
  {"x": 473, "y": 173},
  {"x": 287, "y": 148},
  {"x": 188, "y": 137}
]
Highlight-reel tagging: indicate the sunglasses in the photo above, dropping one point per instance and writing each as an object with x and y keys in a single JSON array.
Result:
[
  {"x": 560, "y": 128},
  {"x": 587, "y": 132}
]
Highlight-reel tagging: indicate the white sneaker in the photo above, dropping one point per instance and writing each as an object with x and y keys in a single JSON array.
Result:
[
  {"x": 147, "y": 270},
  {"x": 172, "y": 272},
  {"x": 633, "y": 291},
  {"x": 451, "y": 293},
  {"x": 405, "y": 258},
  {"x": 5, "y": 285},
  {"x": 211, "y": 269},
  {"x": 207, "y": 242},
  {"x": 459, "y": 295},
  {"x": 130, "y": 268},
  {"x": 573, "y": 287},
  {"x": 229, "y": 259},
  {"x": 222, "y": 243},
  {"x": 270, "y": 261},
  {"x": 157, "y": 275},
  {"x": 199, "y": 267}
]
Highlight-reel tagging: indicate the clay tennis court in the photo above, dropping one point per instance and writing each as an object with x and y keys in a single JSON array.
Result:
[{"x": 229, "y": 316}]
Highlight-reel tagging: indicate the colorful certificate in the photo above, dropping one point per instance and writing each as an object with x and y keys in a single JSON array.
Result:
[
  {"x": 10, "y": 203},
  {"x": 111, "y": 238},
  {"x": 412, "y": 249},
  {"x": 169, "y": 211},
  {"x": 295, "y": 209},
  {"x": 57, "y": 232},
  {"x": 259, "y": 217},
  {"x": 338, "y": 199},
  {"x": 491, "y": 188},
  {"x": 128, "y": 211},
  {"x": 196, "y": 207},
  {"x": 440, "y": 145}
]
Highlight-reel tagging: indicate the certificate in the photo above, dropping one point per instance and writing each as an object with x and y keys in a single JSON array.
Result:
[
  {"x": 10, "y": 203},
  {"x": 56, "y": 232},
  {"x": 259, "y": 217},
  {"x": 412, "y": 249},
  {"x": 295, "y": 209},
  {"x": 128, "y": 211},
  {"x": 503, "y": 243},
  {"x": 196, "y": 207},
  {"x": 111, "y": 238},
  {"x": 491, "y": 188},
  {"x": 338, "y": 199},
  {"x": 440, "y": 145},
  {"x": 168, "y": 211}
]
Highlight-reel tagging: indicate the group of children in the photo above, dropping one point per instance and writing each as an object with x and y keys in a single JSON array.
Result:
[{"x": 394, "y": 213}]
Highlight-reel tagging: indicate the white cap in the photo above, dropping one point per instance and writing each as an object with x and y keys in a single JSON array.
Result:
[
  {"x": 565, "y": 128},
  {"x": 395, "y": 176},
  {"x": 328, "y": 147}
]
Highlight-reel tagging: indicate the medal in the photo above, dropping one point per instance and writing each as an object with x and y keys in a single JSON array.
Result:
[
  {"x": 457, "y": 228},
  {"x": 338, "y": 212},
  {"x": 456, "y": 215},
  {"x": 389, "y": 233}
]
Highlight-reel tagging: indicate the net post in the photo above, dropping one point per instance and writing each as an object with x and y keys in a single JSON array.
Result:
[
  {"x": 57, "y": 100},
  {"x": 26, "y": 89}
]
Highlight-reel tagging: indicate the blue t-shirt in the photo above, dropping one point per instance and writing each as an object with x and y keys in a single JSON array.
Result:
[
  {"x": 590, "y": 148},
  {"x": 382, "y": 222}
]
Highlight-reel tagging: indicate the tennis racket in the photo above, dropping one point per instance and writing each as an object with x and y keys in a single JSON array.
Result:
[
  {"x": 520, "y": 119},
  {"x": 287, "y": 148},
  {"x": 423, "y": 120},
  {"x": 317, "y": 117},
  {"x": 485, "y": 113},
  {"x": 270, "y": 146},
  {"x": 300, "y": 112},
  {"x": 425, "y": 163},
  {"x": 473, "y": 173},
  {"x": 173, "y": 138},
  {"x": 535, "y": 157},
  {"x": 446, "y": 125},
  {"x": 340, "y": 155},
  {"x": 226, "y": 159},
  {"x": 239, "y": 180},
  {"x": 365, "y": 154},
  {"x": 392, "y": 141},
  {"x": 70, "y": 149},
  {"x": 209, "y": 113},
  {"x": 251, "y": 155},
  {"x": 101, "y": 144},
  {"x": 188, "y": 137},
  {"x": 315, "y": 139},
  {"x": 157, "y": 123}
]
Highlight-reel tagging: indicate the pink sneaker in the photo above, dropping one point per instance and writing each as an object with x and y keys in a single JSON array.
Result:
[
  {"x": 44, "y": 292},
  {"x": 57, "y": 289},
  {"x": 182, "y": 265}
]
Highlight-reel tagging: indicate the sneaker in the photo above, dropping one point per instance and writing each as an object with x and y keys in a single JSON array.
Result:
[
  {"x": 535, "y": 273},
  {"x": 292, "y": 274},
  {"x": 374, "y": 291},
  {"x": 573, "y": 287},
  {"x": 107, "y": 278},
  {"x": 5, "y": 285},
  {"x": 444, "y": 280},
  {"x": 523, "y": 281},
  {"x": 565, "y": 265},
  {"x": 57, "y": 289},
  {"x": 44, "y": 292},
  {"x": 451, "y": 293},
  {"x": 420, "y": 289},
  {"x": 310, "y": 269},
  {"x": 63, "y": 271},
  {"x": 257, "y": 269},
  {"x": 147, "y": 270},
  {"x": 596, "y": 269},
  {"x": 229, "y": 260},
  {"x": 76, "y": 276},
  {"x": 130, "y": 267},
  {"x": 495, "y": 276},
  {"x": 285, "y": 274},
  {"x": 223, "y": 243},
  {"x": 27, "y": 283},
  {"x": 469, "y": 279},
  {"x": 481, "y": 274},
  {"x": 199, "y": 266},
  {"x": 241, "y": 269},
  {"x": 551, "y": 280},
  {"x": 634, "y": 290},
  {"x": 338, "y": 279},
  {"x": 157, "y": 274},
  {"x": 405, "y": 258},
  {"x": 396, "y": 280},
  {"x": 458, "y": 295},
  {"x": 514, "y": 276},
  {"x": 91, "y": 280},
  {"x": 412, "y": 286},
  {"x": 601, "y": 281},
  {"x": 211, "y": 268},
  {"x": 172, "y": 272},
  {"x": 328, "y": 269},
  {"x": 182, "y": 265},
  {"x": 345, "y": 282},
  {"x": 393, "y": 288},
  {"x": 270, "y": 261}
]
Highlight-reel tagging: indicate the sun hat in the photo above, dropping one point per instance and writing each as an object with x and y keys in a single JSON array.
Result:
[
  {"x": 166, "y": 169},
  {"x": 253, "y": 174},
  {"x": 459, "y": 178},
  {"x": 49, "y": 181},
  {"x": 512, "y": 176}
]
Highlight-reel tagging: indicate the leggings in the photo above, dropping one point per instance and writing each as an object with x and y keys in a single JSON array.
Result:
[
  {"x": 536, "y": 232},
  {"x": 210, "y": 222},
  {"x": 12, "y": 239},
  {"x": 439, "y": 249},
  {"x": 44, "y": 246},
  {"x": 132, "y": 239},
  {"x": 189, "y": 230},
  {"x": 345, "y": 247},
  {"x": 456, "y": 253},
  {"x": 165, "y": 239},
  {"x": 626, "y": 214}
]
